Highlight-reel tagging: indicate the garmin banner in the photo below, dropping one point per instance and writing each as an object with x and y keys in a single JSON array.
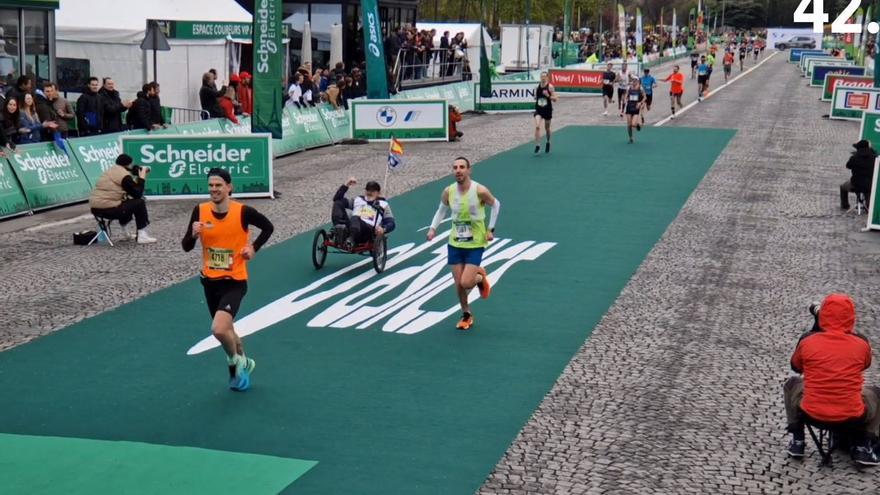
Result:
[
  {"x": 268, "y": 67},
  {"x": 377, "y": 72},
  {"x": 180, "y": 164}
]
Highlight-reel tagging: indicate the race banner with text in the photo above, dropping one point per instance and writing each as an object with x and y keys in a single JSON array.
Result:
[
  {"x": 870, "y": 128},
  {"x": 795, "y": 54},
  {"x": 576, "y": 81},
  {"x": 805, "y": 60},
  {"x": 822, "y": 70},
  {"x": 242, "y": 127},
  {"x": 12, "y": 199},
  {"x": 210, "y": 126},
  {"x": 308, "y": 128},
  {"x": 337, "y": 122},
  {"x": 268, "y": 67},
  {"x": 873, "y": 209},
  {"x": 287, "y": 144},
  {"x": 180, "y": 164},
  {"x": 508, "y": 96},
  {"x": 95, "y": 154},
  {"x": 833, "y": 81},
  {"x": 377, "y": 71},
  {"x": 813, "y": 63},
  {"x": 850, "y": 103},
  {"x": 405, "y": 120},
  {"x": 48, "y": 176}
]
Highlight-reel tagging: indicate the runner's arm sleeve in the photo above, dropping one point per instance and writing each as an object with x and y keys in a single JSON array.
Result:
[
  {"x": 189, "y": 241},
  {"x": 251, "y": 217},
  {"x": 340, "y": 193},
  {"x": 442, "y": 211},
  {"x": 493, "y": 215}
]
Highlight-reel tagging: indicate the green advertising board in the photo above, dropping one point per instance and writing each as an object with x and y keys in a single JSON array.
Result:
[
  {"x": 873, "y": 209},
  {"x": 210, "y": 30},
  {"x": 337, "y": 122},
  {"x": 12, "y": 199},
  {"x": 870, "y": 128},
  {"x": 411, "y": 120},
  {"x": 210, "y": 126},
  {"x": 180, "y": 163},
  {"x": 508, "y": 96},
  {"x": 832, "y": 81},
  {"x": 230, "y": 127},
  {"x": 95, "y": 154},
  {"x": 850, "y": 103},
  {"x": 308, "y": 128},
  {"x": 287, "y": 144},
  {"x": 48, "y": 176}
]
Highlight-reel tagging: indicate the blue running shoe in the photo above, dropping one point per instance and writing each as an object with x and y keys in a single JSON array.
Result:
[{"x": 240, "y": 382}]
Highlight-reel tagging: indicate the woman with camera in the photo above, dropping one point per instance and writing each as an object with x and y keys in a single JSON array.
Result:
[{"x": 119, "y": 195}]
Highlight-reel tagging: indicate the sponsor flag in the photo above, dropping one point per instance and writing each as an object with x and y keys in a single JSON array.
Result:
[
  {"x": 566, "y": 31},
  {"x": 621, "y": 26},
  {"x": 59, "y": 141},
  {"x": 395, "y": 154},
  {"x": 674, "y": 29},
  {"x": 377, "y": 71},
  {"x": 639, "y": 47},
  {"x": 268, "y": 68},
  {"x": 485, "y": 69}
]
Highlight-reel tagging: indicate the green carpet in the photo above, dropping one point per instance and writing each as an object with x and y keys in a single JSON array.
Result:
[
  {"x": 71, "y": 466},
  {"x": 381, "y": 412}
]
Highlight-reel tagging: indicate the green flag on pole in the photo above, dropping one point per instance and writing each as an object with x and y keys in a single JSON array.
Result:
[
  {"x": 639, "y": 40},
  {"x": 566, "y": 31},
  {"x": 268, "y": 68},
  {"x": 621, "y": 25},
  {"x": 377, "y": 71},
  {"x": 485, "y": 70}
]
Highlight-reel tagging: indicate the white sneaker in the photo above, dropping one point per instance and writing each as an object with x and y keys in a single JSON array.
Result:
[
  {"x": 144, "y": 238},
  {"x": 606, "y": 113}
]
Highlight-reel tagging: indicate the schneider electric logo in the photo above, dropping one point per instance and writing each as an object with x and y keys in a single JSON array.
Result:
[
  {"x": 266, "y": 14},
  {"x": 195, "y": 161}
]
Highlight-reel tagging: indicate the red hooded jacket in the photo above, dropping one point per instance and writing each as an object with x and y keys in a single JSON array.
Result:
[{"x": 832, "y": 361}]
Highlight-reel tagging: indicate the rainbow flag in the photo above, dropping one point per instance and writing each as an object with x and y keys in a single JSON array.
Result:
[{"x": 395, "y": 154}]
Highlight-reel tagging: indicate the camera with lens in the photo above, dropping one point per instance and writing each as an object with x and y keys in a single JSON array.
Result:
[
  {"x": 136, "y": 169},
  {"x": 814, "y": 310}
]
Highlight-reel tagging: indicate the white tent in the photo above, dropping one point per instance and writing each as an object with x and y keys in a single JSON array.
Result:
[
  {"x": 471, "y": 34},
  {"x": 109, "y": 32}
]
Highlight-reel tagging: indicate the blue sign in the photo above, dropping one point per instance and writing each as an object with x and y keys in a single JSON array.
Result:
[
  {"x": 820, "y": 71},
  {"x": 794, "y": 55}
]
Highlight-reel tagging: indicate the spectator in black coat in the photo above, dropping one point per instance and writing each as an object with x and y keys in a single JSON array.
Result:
[
  {"x": 114, "y": 107},
  {"x": 23, "y": 85},
  {"x": 90, "y": 110},
  {"x": 139, "y": 113},
  {"x": 157, "y": 120},
  {"x": 208, "y": 96}
]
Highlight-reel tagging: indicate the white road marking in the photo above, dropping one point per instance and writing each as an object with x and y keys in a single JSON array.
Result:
[{"x": 49, "y": 225}]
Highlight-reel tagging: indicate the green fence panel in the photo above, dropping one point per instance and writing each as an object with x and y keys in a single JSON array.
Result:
[
  {"x": 48, "y": 176},
  {"x": 288, "y": 143},
  {"x": 230, "y": 127},
  {"x": 337, "y": 121},
  {"x": 308, "y": 127},
  {"x": 12, "y": 198},
  {"x": 95, "y": 154},
  {"x": 210, "y": 126}
]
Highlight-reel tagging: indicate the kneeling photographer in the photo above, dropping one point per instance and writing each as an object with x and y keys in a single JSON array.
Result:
[
  {"x": 832, "y": 358},
  {"x": 119, "y": 195}
]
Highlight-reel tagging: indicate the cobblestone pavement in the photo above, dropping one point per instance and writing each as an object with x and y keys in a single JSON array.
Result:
[{"x": 679, "y": 388}]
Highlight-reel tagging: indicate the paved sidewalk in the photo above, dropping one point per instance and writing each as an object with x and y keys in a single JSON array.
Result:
[{"x": 679, "y": 388}]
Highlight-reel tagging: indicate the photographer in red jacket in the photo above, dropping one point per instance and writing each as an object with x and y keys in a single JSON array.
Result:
[{"x": 832, "y": 359}]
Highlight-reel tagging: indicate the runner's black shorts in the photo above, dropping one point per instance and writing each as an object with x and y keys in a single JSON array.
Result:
[
  {"x": 608, "y": 91},
  {"x": 649, "y": 99},
  {"x": 621, "y": 93},
  {"x": 224, "y": 294},
  {"x": 545, "y": 113},
  {"x": 675, "y": 94},
  {"x": 727, "y": 68},
  {"x": 693, "y": 64},
  {"x": 702, "y": 79}
]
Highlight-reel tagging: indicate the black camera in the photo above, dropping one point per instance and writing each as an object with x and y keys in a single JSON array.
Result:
[
  {"x": 814, "y": 310},
  {"x": 136, "y": 169}
]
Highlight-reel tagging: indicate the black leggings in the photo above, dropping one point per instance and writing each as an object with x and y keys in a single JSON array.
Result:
[{"x": 359, "y": 230}]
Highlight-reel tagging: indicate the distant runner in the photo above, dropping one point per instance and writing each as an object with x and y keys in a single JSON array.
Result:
[
  {"x": 742, "y": 55},
  {"x": 608, "y": 78},
  {"x": 545, "y": 95},
  {"x": 469, "y": 236},
  {"x": 702, "y": 78},
  {"x": 676, "y": 79},
  {"x": 695, "y": 61},
  {"x": 635, "y": 101},
  {"x": 648, "y": 85},
  {"x": 728, "y": 64},
  {"x": 222, "y": 226},
  {"x": 623, "y": 79}
]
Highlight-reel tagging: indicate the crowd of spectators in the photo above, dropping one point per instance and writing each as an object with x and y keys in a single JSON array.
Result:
[{"x": 421, "y": 55}]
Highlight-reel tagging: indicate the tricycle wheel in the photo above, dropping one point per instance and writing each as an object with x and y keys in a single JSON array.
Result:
[
  {"x": 380, "y": 254},
  {"x": 319, "y": 249}
]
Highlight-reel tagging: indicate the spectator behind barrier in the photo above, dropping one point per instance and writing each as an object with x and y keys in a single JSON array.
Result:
[
  {"x": 119, "y": 195},
  {"x": 139, "y": 114},
  {"x": 454, "y": 119},
  {"x": 23, "y": 86},
  {"x": 90, "y": 109},
  {"x": 832, "y": 358},
  {"x": 114, "y": 107},
  {"x": 31, "y": 129},
  {"x": 861, "y": 166},
  {"x": 157, "y": 121},
  {"x": 246, "y": 93},
  {"x": 227, "y": 105},
  {"x": 208, "y": 95},
  {"x": 10, "y": 121},
  {"x": 64, "y": 114}
]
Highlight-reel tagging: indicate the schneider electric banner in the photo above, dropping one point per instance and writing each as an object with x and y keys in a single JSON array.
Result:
[
  {"x": 508, "y": 96},
  {"x": 268, "y": 67},
  {"x": 12, "y": 200},
  {"x": 48, "y": 176},
  {"x": 412, "y": 120},
  {"x": 180, "y": 164}
]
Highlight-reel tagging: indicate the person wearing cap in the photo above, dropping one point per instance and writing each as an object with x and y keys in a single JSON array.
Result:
[
  {"x": 861, "y": 166},
  {"x": 223, "y": 228},
  {"x": 371, "y": 213},
  {"x": 246, "y": 93},
  {"x": 119, "y": 195}
]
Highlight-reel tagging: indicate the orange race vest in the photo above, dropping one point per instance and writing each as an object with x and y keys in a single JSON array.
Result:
[{"x": 222, "y": 242}]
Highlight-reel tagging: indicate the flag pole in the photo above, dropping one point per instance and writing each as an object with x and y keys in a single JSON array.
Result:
[{"x": 387, "y": 168}]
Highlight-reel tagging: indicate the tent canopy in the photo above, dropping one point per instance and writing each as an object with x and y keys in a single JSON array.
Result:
[{"x": 76, "y": 20}]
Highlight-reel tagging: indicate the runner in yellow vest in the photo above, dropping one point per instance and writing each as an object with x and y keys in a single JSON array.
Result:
[
  {"x": 223, "y": 227},
  {"x": 469, "y": 235}
]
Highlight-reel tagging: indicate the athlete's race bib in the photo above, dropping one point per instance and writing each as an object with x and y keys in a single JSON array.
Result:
[
  {"x": 367, "y": 214},
  {"x": 634, "y": 97},
  {"x": 606, "y": 82},
  {"x": 220, "y": 259},
  {"x": 463, "y": 232},
  {"x": 542, "y": 102}
]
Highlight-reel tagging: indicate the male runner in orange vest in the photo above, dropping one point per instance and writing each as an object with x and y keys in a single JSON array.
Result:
[{"x": 222, "y": 225}]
